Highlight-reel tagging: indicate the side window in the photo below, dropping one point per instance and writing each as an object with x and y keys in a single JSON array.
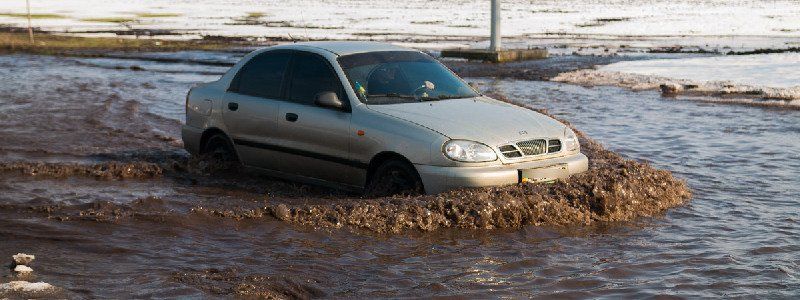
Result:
[
  {"x": 312, "y": 75},
  {"x": 262, "y": 76}
]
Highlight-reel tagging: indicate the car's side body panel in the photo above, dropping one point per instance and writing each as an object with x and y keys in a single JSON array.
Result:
[
  {"x": 384, "y": 133},
  {"x": 202, "y": 112},
  {"x": 301, "y": 141},
  {"x": 314, "y": 145},
  {"x": 317, "y": 143},
  {"x": 255, "y": 120}
]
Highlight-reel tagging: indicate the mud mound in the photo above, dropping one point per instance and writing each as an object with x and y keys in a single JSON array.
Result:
[
  {"x": 229, "y": 282},
  {"x": 105, "y": 170},
  {"x": 619, "y": 190}
]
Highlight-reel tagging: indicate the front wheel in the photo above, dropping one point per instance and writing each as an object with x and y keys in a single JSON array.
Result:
[{"x": 394, "y": 177}]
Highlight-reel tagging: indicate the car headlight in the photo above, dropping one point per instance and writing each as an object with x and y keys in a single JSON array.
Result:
[
  {"x": 571, "y": 140},
  {"x": 468, "y": 151}
]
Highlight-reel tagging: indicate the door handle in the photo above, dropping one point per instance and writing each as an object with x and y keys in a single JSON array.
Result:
[
  {"x": 291, "y": 117},
  {"x": 233, "y": 106}
]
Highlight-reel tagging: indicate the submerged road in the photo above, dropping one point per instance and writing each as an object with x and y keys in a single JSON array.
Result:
[{"x": 146, "y": 236}]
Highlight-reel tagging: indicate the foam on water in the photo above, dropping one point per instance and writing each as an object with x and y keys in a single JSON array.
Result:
[{"x": 20, "y": 289}]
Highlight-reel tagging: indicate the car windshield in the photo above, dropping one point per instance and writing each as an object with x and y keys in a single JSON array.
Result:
[{"x": 401, "y": 76}]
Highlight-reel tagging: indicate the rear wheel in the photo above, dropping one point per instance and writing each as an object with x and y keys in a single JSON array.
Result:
[
  {"x": 218, "y": 152},
  {"x": 394, "y": 177}
]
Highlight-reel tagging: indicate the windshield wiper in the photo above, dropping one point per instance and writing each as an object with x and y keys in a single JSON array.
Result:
[
  {"x": 443, "y": 97},
  {"x": 393, "y": 95}
]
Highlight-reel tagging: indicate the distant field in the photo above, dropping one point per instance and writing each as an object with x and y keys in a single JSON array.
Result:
[{"x": 420, "y": 21}]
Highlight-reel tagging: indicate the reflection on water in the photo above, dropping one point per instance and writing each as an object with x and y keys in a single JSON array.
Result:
[
  {"x": 737, "y": 237},
  {"x": 739, "y": 234}
]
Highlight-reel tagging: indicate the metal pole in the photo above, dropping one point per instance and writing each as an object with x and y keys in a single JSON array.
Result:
[
  {"x": 30, "y": 25},
  {"x": 494, "y": 43}
]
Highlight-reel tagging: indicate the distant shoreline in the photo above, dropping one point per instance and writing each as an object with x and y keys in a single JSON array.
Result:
[{"x": 15, "y": 40}]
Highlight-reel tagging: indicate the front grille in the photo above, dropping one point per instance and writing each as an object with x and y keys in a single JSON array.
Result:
[
  {"x": 510, "y": 151},
  {"x": 553, "y": 146},
  {"x": 530, "y": 148},
  {"x": 533, "y": 147}
]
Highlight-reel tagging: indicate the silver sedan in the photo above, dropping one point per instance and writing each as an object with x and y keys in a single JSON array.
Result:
[{"x": 371, "y": 117}]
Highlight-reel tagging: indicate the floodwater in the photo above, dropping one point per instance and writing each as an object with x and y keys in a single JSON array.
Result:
[{"x": 80, "y": 190}]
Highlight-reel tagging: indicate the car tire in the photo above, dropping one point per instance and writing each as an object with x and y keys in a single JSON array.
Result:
[
  {"x": 219, "y": 153},
  {"x": 394, "y": 177}
]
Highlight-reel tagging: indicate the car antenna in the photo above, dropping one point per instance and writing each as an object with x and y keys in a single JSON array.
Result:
[{"x": 291, "y": 38}]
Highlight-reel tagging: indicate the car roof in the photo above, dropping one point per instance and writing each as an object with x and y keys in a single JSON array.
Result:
[{"x": 346, "y": 47}]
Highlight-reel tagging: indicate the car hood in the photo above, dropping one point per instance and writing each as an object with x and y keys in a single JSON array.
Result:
[{"x": 479, "y": 119}]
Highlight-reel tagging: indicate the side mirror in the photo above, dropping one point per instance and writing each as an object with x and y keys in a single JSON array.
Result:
[{"x": 328, "y": 99}]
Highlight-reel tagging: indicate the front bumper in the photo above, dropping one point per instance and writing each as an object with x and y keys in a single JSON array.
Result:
[{"x": 438, "y": 179}]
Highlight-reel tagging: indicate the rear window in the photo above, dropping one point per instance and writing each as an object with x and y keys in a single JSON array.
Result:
[{"x": 263, "y": 75}]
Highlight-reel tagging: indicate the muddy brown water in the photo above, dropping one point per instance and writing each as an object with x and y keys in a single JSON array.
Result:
[{"x": 93, "y": 182}]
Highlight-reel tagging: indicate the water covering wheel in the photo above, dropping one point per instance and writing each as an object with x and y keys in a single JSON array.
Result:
[
  {"x": 219, "y": 153},
  {"x": 394, "y": 177}
]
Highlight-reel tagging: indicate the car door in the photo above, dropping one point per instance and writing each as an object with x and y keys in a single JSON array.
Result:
[
  {"x": 250, "y": 107},
  {"x": 315, "y": 139}
]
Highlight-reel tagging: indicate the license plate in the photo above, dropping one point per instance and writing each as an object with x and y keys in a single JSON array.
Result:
[{"x": 544, "y": 174}]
